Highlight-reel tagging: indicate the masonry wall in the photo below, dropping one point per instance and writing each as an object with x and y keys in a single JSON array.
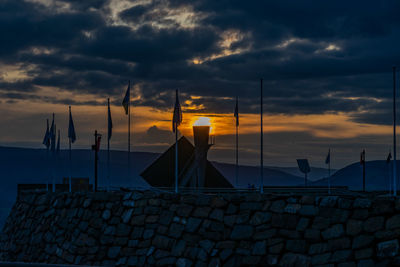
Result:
[{"x": 144, "y": 228}]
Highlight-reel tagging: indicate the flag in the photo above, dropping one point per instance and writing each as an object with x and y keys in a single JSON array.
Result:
[
  {"x": 328, "y": 157},
  {"x": 125, "y": 102},
  {"x": 110, "y": 125},
  {"x": 177, "y": 118},
  {"x": 46, "y": 139},
  {"x": 71, "y": 128},
  {"x": 389, "y": 157},
  {"x": 58, "y": 142},
  {"x": 52, "y": 136},
  {"x": 362, "y": 157},
  {"x": 237, "y": 112}
]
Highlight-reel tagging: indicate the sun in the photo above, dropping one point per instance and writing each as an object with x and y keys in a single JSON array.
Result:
[{"x": 202, "y": 121}]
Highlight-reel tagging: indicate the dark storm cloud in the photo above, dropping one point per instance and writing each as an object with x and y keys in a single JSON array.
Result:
[{"x": 315, "y": 57}]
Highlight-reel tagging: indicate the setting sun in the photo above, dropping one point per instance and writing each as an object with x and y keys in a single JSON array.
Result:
[{"x": 202, "y": 121}]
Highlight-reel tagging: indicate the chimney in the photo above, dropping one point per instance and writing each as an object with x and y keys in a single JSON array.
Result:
[{"x": 201, "y": 137}]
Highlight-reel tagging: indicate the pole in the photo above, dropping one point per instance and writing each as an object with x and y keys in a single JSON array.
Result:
[
  {"x": 129, "y": 132},
  {"x": 364, "y": 171},
  {"x": 237, "y": 155},
  {"x": 48, "y": 171},
  {"x": 96, "y": 158},
  {"x": 394, "y": 135},
  {"x": 262, "y": 140},
  {"x": 108, "y": 147},
  {"x": 70, "y": 165},
  {"x": 176, "y": 158},
  {"x": 329, "y": 174}
]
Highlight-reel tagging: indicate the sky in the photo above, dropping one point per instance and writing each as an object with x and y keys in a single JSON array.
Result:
[{"x": 326, "y": 69}]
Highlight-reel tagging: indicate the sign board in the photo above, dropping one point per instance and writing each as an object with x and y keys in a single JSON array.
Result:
[{"x": 303, "y": 165}]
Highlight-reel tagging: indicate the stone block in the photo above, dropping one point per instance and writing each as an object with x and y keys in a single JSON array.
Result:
[
  {"x": 363, "y": 253},
  {"x": 341, "y": 255},
  {"x": 320, "y": 259},
  {"x": 192, "y": 224},
  {"x": 113, "y": 252},
  {"x": 291, "y": 259},
  {"x": 176, "y": 230},
  {"x": 260, "y": 218},
  {"x": 334, "y": 231},
  {"x": 287, "y": 221},
  {"x": 278, "y": 206},
  {"x": 218, "y": 202},
  {"x": 374, "y": 224},
  {"x": 207, "y": 245},
  {"x": 126, "y": 216},
  {"x": 217, "y": 214},
  {"x": 360, "y": 214},
  {"x": 184, "y": 210},
  {"x": 240, "y": 232},
  {"x": 302, "y": 224},
  {"x": 353, "y": 227},
  {"x": 318, "y": 248},
  {"x": 340, "y": 243},
  {"x": 362, "y": 241},
  {"x": 202, "y": 212},
  {"x": 250, "y": 206},
  {"x": 321, "y": 223},
  {"x": 297, "y": 246},
  {"x": 393, "y": 222},
  {"x": 260, "y": 248},
  {"x": 308, "y": 210},
  {"x": 388, "y": 248},
  {"x": 312, "y": 234},
  {"x": 362, "y": 203}
]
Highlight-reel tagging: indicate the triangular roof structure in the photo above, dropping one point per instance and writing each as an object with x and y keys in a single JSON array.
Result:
[{"x": 161, "y": 173}]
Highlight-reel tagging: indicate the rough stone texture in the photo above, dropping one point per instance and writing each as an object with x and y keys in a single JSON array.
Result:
[{"x": 144, "y": 228}]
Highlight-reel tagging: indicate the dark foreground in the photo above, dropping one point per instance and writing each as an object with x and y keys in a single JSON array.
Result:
[{"x": 143, "y": 228}]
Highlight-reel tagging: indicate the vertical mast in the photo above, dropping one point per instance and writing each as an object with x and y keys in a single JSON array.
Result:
[
  {"x": 394, "y": 135},
  {"x": 237, "y": 145},
  {"x": 261, "y": 140}
]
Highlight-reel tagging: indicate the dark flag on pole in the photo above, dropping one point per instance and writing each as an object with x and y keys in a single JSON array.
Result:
[
  {"x": 177, "y": 118},
  {"x": 71, "y": 128},
  {"x": 125, "y": 102},
  {"x": 46, "y": 139},
  {"x": 389, "y": 157},
  {"x": 237, "y": 112},
  {"x": 328, "y": 157},
  {"x": 110, "y": 125}
]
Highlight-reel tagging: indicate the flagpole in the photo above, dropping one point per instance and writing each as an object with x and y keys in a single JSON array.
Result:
[
  {"x": 329, "y": 173},
  {"x": 70, "y": 163},
  {"x": 262, "y": 141},
  {"x": 129, "y": 131},
  {"x": 394, "y": 134},
  {"x": 176, "y": 159},
  {"x": 108, "y": 145},
  {"x": 237, "y": 152},
  {"x": 70, "y": 153}
]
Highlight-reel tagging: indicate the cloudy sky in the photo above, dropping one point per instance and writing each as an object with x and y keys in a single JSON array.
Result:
[{"x": 326, "y": 65}]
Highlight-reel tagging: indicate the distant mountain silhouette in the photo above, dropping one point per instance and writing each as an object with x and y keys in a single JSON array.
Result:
[
  {"x": 376, "y": 178},
  {"x": 314, "y": 175},
  {"x": 251, "y": 175}
]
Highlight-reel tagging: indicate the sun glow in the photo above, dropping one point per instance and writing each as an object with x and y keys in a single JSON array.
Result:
[{"x": 202, "y": 121}]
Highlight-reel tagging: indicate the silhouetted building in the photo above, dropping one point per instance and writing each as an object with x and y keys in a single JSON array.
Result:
[{"x": 194, "y": 168}]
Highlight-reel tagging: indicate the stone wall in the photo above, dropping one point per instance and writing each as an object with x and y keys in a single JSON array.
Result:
[{"x": 145, "y": 228}]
